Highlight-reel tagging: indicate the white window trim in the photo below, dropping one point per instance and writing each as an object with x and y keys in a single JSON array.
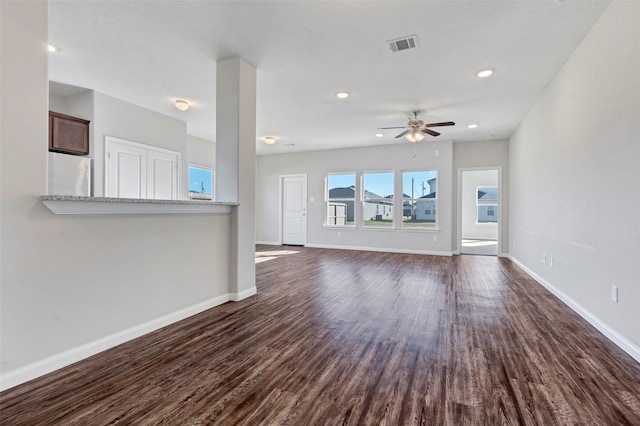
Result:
[
  {"x": 436, "y": 225},
  {"x": 393, "y": 201},
  {"x": 354, "y": 199}
]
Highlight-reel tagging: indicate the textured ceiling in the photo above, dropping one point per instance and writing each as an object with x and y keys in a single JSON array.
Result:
[{"x": 152, "y": 52}]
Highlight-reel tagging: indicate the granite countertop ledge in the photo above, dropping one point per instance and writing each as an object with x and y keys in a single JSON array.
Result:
[{"x": 73, "y": 204}]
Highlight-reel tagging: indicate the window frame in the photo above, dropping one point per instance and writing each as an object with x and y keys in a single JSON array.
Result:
[
  {"x": 494, "y": 205},
  {"x": 435, "y": 208},
  {"x": 328, "y": 200},
  {"x": 382, "y": 201}
]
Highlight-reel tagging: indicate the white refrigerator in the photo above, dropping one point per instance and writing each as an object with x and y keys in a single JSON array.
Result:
[{"x": 69, "y": 175}]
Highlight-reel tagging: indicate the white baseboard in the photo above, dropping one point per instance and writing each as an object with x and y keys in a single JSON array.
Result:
[
  {"x": 47, "y": 365},
  {"x": 236, "y": 297},
  {"x": 269, "y": 243},
  {"x": 620, "y": 341},
  {"x": 387, "y": 250},
  {"x": 455, "y": 252}
]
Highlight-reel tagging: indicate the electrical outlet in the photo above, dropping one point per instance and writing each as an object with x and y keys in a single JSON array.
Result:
[
  {"x": 543, "y": 258},
  {"x": 435, "y": 238},
  {"x": 339, "y": 234},
  {"x": 550, "y": 261},
  {"x": 312, "y": 198},
  {"x": 614, "y": 293}
]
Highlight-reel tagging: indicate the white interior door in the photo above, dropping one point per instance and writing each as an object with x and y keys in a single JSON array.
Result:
[
  {"x": 294, "y": 210},
  {"x": 162, "y": 172},
  {"x": 126, "y": 171},
  {"x": 140, "y": 171}
]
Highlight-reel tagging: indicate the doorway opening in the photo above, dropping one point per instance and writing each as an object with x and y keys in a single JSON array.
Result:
[{"x": 479, "y": 229}]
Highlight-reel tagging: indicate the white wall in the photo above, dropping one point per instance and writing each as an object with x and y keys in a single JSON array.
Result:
[
  {"x": 578, "y": 148},
  {"x": 471, "y": 180},
  {"x": 68, "y": 281},
  {"x": 398, "y": 157}
]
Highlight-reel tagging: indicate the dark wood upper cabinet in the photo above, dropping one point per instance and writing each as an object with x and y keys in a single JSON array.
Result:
[{"x": 68, "y": 134}]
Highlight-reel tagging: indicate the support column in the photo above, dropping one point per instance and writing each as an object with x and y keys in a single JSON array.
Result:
[{"x": 236, "y": 166}]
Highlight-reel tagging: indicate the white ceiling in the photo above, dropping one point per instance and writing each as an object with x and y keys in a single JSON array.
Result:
[{"x": 152, "y": 52}]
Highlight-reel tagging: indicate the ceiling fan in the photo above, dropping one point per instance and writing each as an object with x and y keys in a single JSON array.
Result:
[{"x": 416, "y": 127}]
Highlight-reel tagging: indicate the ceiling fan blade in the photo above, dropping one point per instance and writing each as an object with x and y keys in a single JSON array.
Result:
[
  {"x": 446, "y": 123},
  {"x": 384, "y": 128},
  {"x": 431, "y": 132},
  {"x": 402, "y": 134}
]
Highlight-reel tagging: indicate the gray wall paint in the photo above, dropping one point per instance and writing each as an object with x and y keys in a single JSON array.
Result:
[
  {"x": 316, "y": 165},
  {"x": 70, "y": 280},
  {"x": 574, "y": 175},
  {"x": 113, "y": 117},
  {"x": 201, "y": 152}
]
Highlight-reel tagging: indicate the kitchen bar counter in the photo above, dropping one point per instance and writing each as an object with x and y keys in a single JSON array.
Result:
[{"x": 79, "y": 205}]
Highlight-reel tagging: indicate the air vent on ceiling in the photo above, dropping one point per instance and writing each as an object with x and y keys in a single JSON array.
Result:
[{"x": 404, "y": 43}]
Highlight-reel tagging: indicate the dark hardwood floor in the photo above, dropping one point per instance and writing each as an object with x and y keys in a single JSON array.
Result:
[{"x": 359, "y": 338}]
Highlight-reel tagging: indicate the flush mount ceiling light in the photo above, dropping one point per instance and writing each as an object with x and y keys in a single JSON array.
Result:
[
  {"x": 379, "y": 135},
  {"x": 182, "y": 105},
  {"x": 269, "y": 140},
  {"x": 52, "y": 48},
  {"x": 485, "y": 73},
  {"x": 342, "y": 95},
  {"x": 414, "y": 136},
  {"x": 472, "y": 125}
]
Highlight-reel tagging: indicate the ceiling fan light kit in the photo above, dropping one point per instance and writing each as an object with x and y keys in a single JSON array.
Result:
[
  {"x": 414, "y": 136},
  {"x": 416, "y": 127}
]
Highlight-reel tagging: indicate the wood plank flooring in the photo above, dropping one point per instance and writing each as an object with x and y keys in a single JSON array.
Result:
[{"x": 355, "y": 338}]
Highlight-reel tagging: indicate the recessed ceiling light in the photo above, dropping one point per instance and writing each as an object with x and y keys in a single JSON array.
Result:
[
  {"x": 485, "y": 73},
  {"x": 269, "y": 140},
  {"x": 182, "y": 105},
  {"x": 52, "y": 48},
  {"x": 379, "y": 135},
  {"x": 342, "y": 95},
  {"x": 472, "y": 125}
]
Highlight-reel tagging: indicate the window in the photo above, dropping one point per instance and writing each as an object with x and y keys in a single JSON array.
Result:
[
  {"x": 487, "y": 203},
  {"x": 200, "y": 183},
  {"x": 377, "y": 199},
  {"x": 419, "y": 199},
  {"x": 341, "y": 199}
]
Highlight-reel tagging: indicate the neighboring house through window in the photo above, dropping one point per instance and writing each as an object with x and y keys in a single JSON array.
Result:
[
  {"x": 377, "y": 199},
  {"x": 487, "y": 204},
  {"x": 340, "y": 198},
  {"x": 419, "y": 200}
]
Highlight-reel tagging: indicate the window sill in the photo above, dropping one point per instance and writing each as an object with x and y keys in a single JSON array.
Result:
[
  {"x": 78, "y": 205},
  {"x": 341, "y": 227},
  {"x": 425, "y": 230}
]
